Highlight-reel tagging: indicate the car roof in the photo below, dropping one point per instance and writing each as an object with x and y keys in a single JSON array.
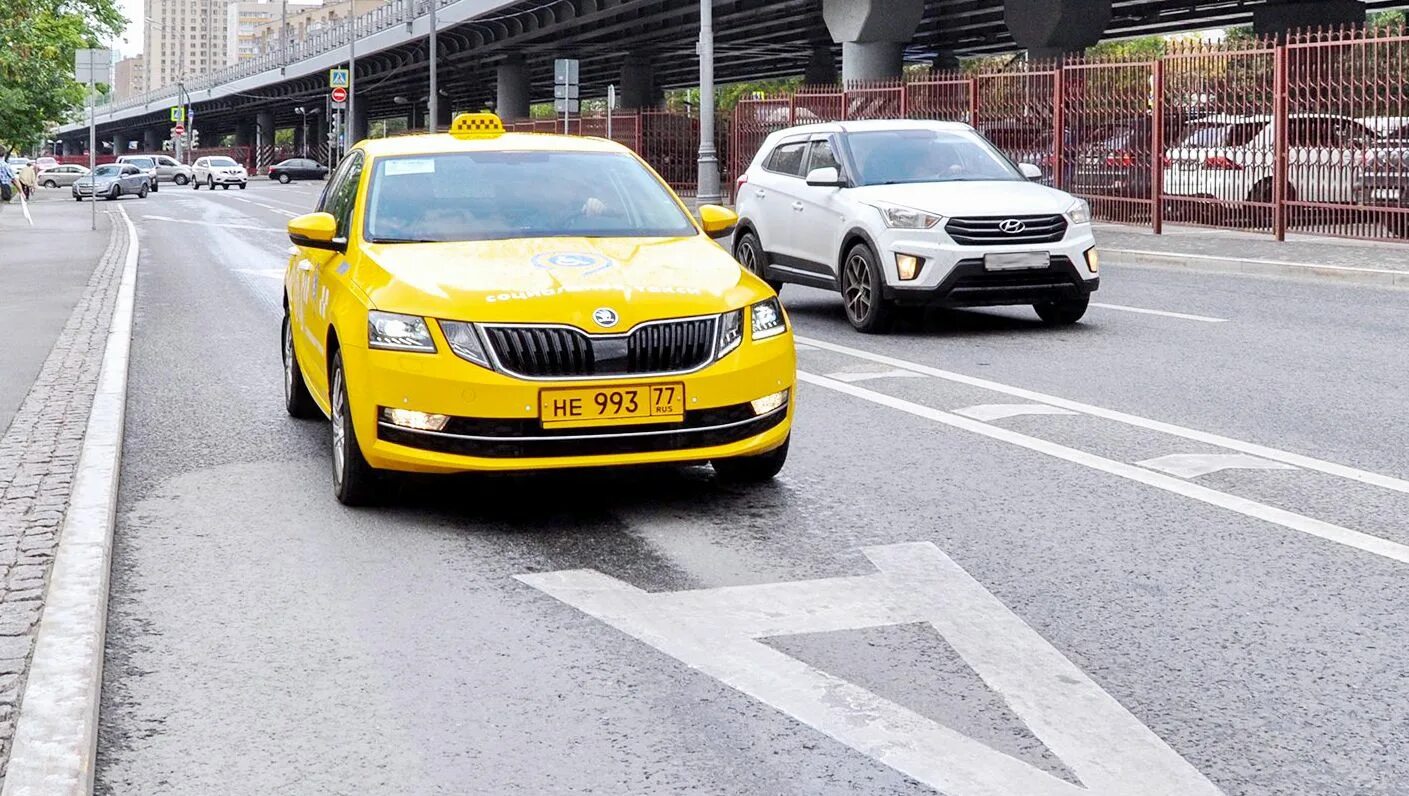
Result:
[
  {"x": 870, "y": 125},
  {"x": 439, "y": 143}
]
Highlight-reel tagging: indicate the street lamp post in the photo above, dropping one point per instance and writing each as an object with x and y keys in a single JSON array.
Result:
[
  {"x": 431, "y": 108},
  {"x": 708, "y": 189}
]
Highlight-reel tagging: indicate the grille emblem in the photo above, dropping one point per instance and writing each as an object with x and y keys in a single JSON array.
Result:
[
  {"x": 1012, "y": 226},
  {"x": 605, "y": 317}
]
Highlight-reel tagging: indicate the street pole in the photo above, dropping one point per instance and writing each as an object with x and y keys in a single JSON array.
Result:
[
  {"x": 431, "y": 108},
  {"x": 708, "y": 189},
  {"x": 351, "y": 66},
  {"x": 92, "y": 148},
  {"x": 284, "y": 35}
]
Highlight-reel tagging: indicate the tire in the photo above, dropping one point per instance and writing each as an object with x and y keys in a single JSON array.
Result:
[
  {"x": 861, "y": 290},
  {"x": 224, "y": 186},
  {"x": 1062, "y": 313},
  {"x": 114, "y": 192},
  {"x": 156, "y": 185},
  {"x": 355, "y": 483},
  {"x": 180, "y": 179},
  {"x": 243, "y": 185},
  {"x": 285, "y": 179},
  {"x": 142, "y": 192},
  {"x": 210, "y": 183},
  {"x": 750, "y": 254},
  {"x": 78, "y": 198},
  {"x": 752, "y": 469},
  {"x": 50, "y": 184},
  {"x": 195, "y": 184},
  {"x": 297, "y": 400}
]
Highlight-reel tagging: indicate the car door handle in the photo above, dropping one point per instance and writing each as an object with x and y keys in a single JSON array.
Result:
[
  {"x": 760, "y": 193},
  {"x": 797, "y": 206}
]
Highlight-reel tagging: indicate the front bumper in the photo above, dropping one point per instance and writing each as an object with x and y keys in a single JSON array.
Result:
[
  {"x": 495, "y": 424},
  {"x": 228, "y": 179}
]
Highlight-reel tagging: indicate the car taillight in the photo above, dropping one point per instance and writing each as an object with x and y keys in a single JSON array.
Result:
[
  {"x": 1221, "y": 163},
  {"x": 1166, "y": 161},
  {"x": 1124, "y": 159},
  {"x": 739, "y": 185}
]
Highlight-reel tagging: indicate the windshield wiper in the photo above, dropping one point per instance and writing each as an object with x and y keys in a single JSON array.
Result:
[{"x": 403, "y": 240}]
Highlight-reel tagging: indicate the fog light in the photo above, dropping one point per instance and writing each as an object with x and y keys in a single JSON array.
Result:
[
  {"x": 908, "y": 265},
  {"x": 768, "y": 403},
  {"x": 1093, "y": 261},
  {"x": 421, "y": 421}
]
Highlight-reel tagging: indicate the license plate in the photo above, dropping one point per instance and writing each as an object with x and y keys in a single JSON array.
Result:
[
  {"x": 644, "y": 403},
  {"x": 1016, "y": 261}
]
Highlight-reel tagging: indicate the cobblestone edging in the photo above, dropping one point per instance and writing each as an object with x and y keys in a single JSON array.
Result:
[{"x": 38, "y": 460}]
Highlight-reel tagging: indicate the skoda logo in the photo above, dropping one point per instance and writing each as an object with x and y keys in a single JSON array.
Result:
[
  {"x": 605, "y": 317},
  {"x": 1012, "y": 226}
]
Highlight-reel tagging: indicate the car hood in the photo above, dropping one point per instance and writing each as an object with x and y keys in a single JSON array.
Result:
[
  {"x": 557, "y": 280},
  {"x": 998, "y": 198},
  {"x": 101, "y": 179}
]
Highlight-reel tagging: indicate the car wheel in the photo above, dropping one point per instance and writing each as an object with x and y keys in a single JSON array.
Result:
[
  {"x": 142, "y": 192},
  {"x": 224, "y": 186},
  {"x": 78, "y": 198},
  {"x": 297, "y": 400},
  {"x": 1064, "y": 312},
  {"x": 210, "y": 183},
  {"x": 50, "y": 184},
  {"x": 180, "y": 179},
  {"x": 155, "y": 186},
  {"x": 243, "y": 185},
  {"x": 284, "y": 179},
  {"x": 861, "y": 284},
  {"x": 114, "y": 192},
  {"x": 750, "y": 254},
  {"x": 354, "y": 480},
  {"x": 752, "y": 469}
]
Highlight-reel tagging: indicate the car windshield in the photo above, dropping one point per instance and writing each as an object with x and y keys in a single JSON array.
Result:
[
  {"x": 107, "y": 171},
  {"x": 890, "y": 157},
  {"x": 142, "y": 163},
  {"x": 223, "y": 162},
  {"x": 499, "y": 195}
]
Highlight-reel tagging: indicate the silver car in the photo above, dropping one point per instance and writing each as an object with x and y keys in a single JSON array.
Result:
[
  {"x": 148, "y": 165},
  {"x": 112, "y": 180},
  {"x": 62, "y": 176},
  {"x": 169, "y": 170}
]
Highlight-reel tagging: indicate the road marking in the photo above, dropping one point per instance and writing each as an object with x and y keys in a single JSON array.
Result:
[
  {"x": 1193, "y": 465},
  {"x": 990, "y": 412},
  {"x": 1164, "y": 313},
  {"x": 266, "y": 206},
  {"x": 717, "y": 631},
  {"x": 1286, "y": 457},
  {"x": 214, "y": 224},
  {"x": 267, "y": 273},
  {"x": 1249, "y": 508},
  {"x": 894, "y": 373}
]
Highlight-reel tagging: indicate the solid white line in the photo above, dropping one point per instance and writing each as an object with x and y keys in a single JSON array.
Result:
[
  {"x": 1163, "y": 313},
  {"x": 57, "y": 731},
  {"x": 214, "y": 224},
  {"x": 288, "y": 213},
  {"x": 1255, "y": 261},
  {"x": 1307, "y": 462},
  {"x": 1249, "y": 508}
]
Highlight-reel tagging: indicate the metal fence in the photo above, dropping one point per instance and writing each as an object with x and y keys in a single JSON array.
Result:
[{"x": 1310, "y": 134}]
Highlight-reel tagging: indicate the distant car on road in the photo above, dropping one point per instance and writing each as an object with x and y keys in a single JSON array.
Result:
[
  {"x": 112, "y": 180},
  {"x": 148, "y": 165},
  {"x": 912, "y": 212},
  {"x": 214, "y": 170},
  {"x": 62, "y": 176},
  {"x": 44, "y": 163},
  {"x": 297, "y": 169},
  {"x": 171, "y": 170}
]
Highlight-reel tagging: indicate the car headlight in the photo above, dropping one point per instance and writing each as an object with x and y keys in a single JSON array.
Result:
[
  {"x": 731, "y": 332},
  {"x": 394, "y": 332},
  {"x": 767, "y": 319},
  {"x": 901, "y": 217},
  {"x": 1080, "y": 212},
  {"x": 465, "y": 341}
]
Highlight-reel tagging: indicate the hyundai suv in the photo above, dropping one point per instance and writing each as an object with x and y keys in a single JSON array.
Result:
[{"x": 916, "y": 213}]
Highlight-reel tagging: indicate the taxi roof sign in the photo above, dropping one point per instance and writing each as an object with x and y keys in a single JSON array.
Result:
[{"x": 476, "y": 125}]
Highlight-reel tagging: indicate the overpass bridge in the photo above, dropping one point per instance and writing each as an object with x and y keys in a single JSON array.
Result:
[{"x": 497, "y": 54}]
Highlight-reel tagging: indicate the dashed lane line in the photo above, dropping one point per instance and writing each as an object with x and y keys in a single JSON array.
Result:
[
  {"x": 1163, "y": 313},
  {"x": 216, "y": 224},
  {"x": 1168, "y": 483}
]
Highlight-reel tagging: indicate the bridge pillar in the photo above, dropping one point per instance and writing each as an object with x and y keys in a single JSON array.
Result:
[
  {"x": 151, "y": 140},
  {"x": 120, "y": 143},
  {"x": 443, "y": 113},
  {"x": 638, "y": 82},
  {"x": 821, "y": 67},
  {"x": 873, "y": 35},
  {"x": 318, "y": 137},
  {"x": 1276, "y": 18},
  {"x": 945, "y": 61},
  {"x": 416, "y": 119},
  {"x": 265, "y": 120},
  {"x": 1053, "y": 28},
  {"x": 244, "y": 134},
  {"x": 512, "y": 89},
  {"x": 357, "y": 125},
  {"x": 299, "y": 136}
]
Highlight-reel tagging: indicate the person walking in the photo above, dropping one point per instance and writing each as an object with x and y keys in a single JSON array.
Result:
[
  {"x": 27, "y": 179},
  {"x": 7, "y": 179}
]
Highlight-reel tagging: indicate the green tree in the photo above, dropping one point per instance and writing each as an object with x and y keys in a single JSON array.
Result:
[{"x": 37, "y": 43}]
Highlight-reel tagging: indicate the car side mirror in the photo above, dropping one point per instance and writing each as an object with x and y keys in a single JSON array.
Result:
[
  {"x": 827, "y": 177},
  {"x": 1030, "y": 171},
  {"x": 316, "y": 231},
  {"x": 717, "y": 221}
]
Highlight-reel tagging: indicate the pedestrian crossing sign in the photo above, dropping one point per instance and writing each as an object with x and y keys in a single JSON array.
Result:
[
  {"x": 178, "y": 115},
  {"x": 338, "y": 78}
]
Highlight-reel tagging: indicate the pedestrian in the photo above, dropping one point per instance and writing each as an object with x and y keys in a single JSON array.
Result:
[
  {"x": 27, "y": 179},
  {"x": 7, "y": 179}
]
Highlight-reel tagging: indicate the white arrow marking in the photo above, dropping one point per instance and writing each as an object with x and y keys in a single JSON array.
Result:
[
  {"x": 716, "y": 631},
  {"x": 989, "y": 412},
  {"x": 867, "y": 375},
  {"x": 1193, "y": 465}
]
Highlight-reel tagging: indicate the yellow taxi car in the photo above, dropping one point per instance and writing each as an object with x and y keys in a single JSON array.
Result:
[{"x": 482, "y": 300}]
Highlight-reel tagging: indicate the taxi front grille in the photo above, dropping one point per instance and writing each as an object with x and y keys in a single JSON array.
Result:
[{"x": 562, "y": 352}]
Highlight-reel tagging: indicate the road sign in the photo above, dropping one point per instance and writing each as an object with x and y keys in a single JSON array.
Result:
[
  {"x": 566, "y": 92},
  {"x": 178, "y": 131},
  {"x": 566, "y": 105},
  {"x": 339, "y": 78},
  {"x": 339, "y": 94},
  {"x": 178, "y": 114},
  {"x": 565, "y": 72},
  {"x": 93, "y": 66}
]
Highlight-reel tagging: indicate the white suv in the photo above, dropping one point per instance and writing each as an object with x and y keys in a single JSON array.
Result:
[
  {"x": 219, "y": 170},
  {"x": 912, "y": 213}
]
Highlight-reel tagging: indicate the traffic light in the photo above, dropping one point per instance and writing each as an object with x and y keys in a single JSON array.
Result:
[{"x": 195, "y": 138}]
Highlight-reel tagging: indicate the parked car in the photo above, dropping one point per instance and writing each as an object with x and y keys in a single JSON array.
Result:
[
  {"x": 214, "y": 170},
  {"x": 297, "y": 169},
  {"x": 912, "y": 213},
  {"x": 148, "y": 165},
  {"x": 112, "y": 180},
  {"x": 1383, "y": 179},
  {"x": 171, "y": 170},
  {"x": 63, "y": 176},
  {"x": 41, "y": 164},
  {"x": 1120, "y": 164}
]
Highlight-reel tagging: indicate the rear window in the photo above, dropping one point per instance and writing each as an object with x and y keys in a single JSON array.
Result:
[{"x": 141, "y": 163}]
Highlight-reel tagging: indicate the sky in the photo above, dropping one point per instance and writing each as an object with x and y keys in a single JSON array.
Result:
[{"x": 132, "y": 9}]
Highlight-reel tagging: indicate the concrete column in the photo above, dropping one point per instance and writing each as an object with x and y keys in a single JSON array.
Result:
[
  {"x": 265, "y": 120},
  {"x": 946, "y": 61},
  {"x": 821, "y": 67},
  {"x": 443, "y": 113},
  {"x": 357, "y": 126},
  {"x": 1276, "y": 18},
  {"x": 872, "y": 34},
  {"x": 317, "y": 134},
  {"x": 512, "y": 89},
  {"x": 298, "y": 136},
  {"x": 244, "y": 134},
  {"x": 1053, "y": 28},
  {"x": 416, "y": 119},
  {"x": 151, "y": 140},
  {"x": 638, "y": 82},
  {"x": 120, "y": 143}
]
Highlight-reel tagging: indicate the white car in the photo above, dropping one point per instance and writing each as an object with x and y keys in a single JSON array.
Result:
[
  {"x": 912, "y": 213},
  {"x": 219, "y": 170}
]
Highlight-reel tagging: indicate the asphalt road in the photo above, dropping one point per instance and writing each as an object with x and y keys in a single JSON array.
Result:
[{"x": 1240, "y": 629}]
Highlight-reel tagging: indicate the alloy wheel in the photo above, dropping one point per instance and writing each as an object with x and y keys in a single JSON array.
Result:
[
  {"x": 856, "y": 289},
  {"x": 339, "y": 426},
  {"x": 288, "y": 363},
  {"x": 748, "y": 257}
]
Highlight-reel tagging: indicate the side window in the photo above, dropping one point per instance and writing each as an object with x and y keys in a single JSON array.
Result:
[
  {"x": 820, "y": 156},
  {"x": 165, "y": 161},
  {"x": 787, "y": 158},
  {"x": 341, "y": 193}
]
